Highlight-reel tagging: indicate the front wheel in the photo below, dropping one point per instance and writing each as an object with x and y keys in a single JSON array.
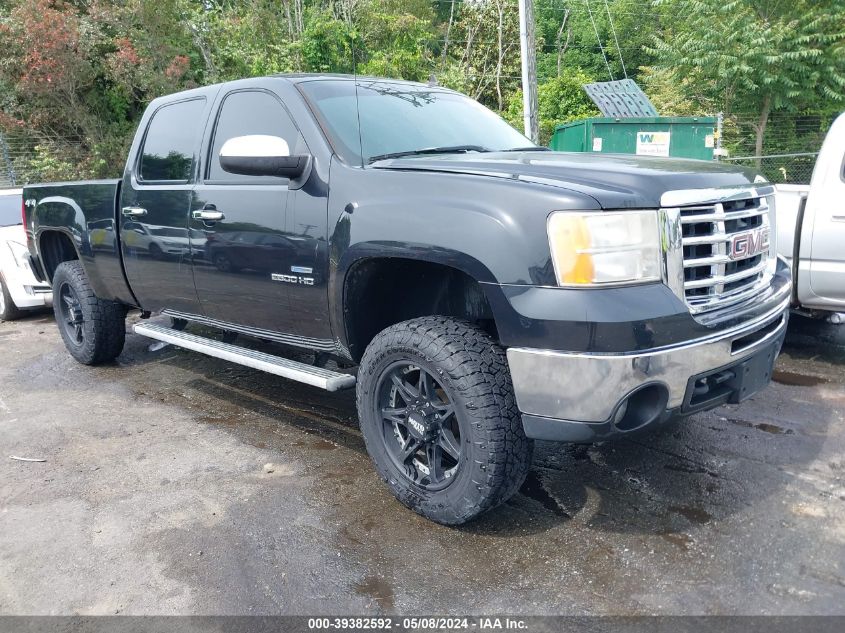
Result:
[
  {"x": 439, "y": 418},
  {"x": 8, "y": 310},
  {"x": 93, "y": 329}
]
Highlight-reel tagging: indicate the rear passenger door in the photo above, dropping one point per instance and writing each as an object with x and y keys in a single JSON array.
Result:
[{"x": 155, "y": 201}]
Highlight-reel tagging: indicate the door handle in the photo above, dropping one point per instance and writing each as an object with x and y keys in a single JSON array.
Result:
[
  {"x": 133, "y": 212},
  {"x": 207, "y": 215},
  {"x": 839, "y": 218}
]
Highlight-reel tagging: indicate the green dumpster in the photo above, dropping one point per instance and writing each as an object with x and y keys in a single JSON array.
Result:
[{"x": 681, "y": 137}]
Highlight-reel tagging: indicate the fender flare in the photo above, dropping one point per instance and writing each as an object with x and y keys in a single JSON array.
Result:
[{"x": 363, "y": 252}]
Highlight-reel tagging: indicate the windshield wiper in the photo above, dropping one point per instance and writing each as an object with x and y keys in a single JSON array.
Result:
[
  {"x": 531, "y": 148},
  {"x": 451, "y": 149}
]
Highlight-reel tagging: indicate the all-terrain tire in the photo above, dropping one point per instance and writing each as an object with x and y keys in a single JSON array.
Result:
[
  {"x": 473, "y": 372},
  {"x": 100, "y": 332},
  {"x": 8, "y": 310}
]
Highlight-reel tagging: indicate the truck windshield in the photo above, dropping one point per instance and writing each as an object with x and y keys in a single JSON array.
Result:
[
  {"x": 10, "y": 210},
  {"x": 405, "y": 119}
]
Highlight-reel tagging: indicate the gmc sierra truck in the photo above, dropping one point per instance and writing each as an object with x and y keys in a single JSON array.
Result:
[{"x": 478, "y": 291}]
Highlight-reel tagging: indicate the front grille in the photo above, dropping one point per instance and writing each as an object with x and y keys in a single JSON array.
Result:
[{"x": 714, "y": 276}]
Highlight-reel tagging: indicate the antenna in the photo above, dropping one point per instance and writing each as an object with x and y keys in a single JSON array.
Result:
[{"x": 357, "y": 100}]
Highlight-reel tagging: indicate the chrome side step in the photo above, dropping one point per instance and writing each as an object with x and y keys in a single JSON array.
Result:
[{"x": 310, "y": 375}]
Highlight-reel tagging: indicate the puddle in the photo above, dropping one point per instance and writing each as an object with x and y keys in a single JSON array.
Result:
[
  {"x": 680, "y": 539},
  {"x": 797, "y": 380},
  {"x": 534, "y": 489},
  {"x": 322, "y": 445},
  {"x": 762, "y": 426},
  {"x": 693, "y": 515},
  {"x": 376, "y": 588},
  {"x": 682, "y": 468}
]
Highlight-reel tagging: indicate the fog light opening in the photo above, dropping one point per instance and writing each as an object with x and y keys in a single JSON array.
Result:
[{"x": 641, "y": 408}]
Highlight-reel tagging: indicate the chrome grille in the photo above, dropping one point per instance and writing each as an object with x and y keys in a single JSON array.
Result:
[{"x": 713, "y": 275}]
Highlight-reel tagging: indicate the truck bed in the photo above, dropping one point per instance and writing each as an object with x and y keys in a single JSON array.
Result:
[{"x": 85, "y": 214}]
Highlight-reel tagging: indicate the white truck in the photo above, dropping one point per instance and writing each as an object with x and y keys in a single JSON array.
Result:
[
  {"x": 811, "y": 232},
  {"x": 20, "y": 290}
]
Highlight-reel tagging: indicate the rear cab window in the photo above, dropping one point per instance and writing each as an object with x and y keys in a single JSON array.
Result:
[{"x": 168, "y": 153}]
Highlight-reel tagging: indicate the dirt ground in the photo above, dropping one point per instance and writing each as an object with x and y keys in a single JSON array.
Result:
[{"x": 175, "y": 484}]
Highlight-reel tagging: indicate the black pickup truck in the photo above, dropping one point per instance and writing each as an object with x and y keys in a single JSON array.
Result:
[{"x": 479, "y": 291}]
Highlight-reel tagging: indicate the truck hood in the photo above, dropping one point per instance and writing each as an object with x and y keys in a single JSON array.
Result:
[{"x": 615, "y": 181}]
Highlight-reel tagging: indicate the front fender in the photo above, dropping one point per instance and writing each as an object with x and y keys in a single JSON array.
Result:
[{"x": 492, "y": 229}]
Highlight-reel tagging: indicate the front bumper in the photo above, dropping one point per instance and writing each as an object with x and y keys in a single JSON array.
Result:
[{"x": 586, "y": 397}]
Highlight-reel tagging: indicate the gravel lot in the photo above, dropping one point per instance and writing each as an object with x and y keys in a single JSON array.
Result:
[{"x": 176, "y": 484}]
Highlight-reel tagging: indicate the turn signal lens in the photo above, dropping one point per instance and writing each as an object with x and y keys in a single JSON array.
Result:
[{"x": 605, "y": 248}]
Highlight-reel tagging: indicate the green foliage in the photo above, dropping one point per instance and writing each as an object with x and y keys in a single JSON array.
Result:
[
  {"x": 671, "y": 95},
  {"x": 757, "y": 55},
  {"x": 327, "y": 44},
  {"x": 45, "y": 166},
  {"x": 398, "y": 45},
  {"x": 559, "y": 100}
]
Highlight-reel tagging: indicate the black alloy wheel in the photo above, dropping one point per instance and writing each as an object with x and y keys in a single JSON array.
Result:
[
  {"x": 439, "y": 418},
  {"x": 420, "y": 430},
  {"x": 73, "y": 320},
  {"x": 93, "y": 329}
]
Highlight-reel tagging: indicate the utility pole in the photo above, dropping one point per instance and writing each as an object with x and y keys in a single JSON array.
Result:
[{"x": 529, "y": 69}]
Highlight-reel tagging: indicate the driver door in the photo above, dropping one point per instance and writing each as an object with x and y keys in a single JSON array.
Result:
[{"x": 240, "y": 275}]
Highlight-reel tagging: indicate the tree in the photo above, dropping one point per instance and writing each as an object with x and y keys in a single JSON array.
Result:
[
  {"x": 757, "y": 55},
  {"x": 559, "y": 100},
  {"x": 398, "y": 39},
  {"x": 79, "y": 75},
  {"x": 484, "y": 49}
]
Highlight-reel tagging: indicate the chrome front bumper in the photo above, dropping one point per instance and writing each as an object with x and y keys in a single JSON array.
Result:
[{"x": 576, "y": 396}]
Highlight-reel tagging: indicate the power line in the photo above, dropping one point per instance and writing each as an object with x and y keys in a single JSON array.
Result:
[
  {"x": 598, "y": 39},
  {"x": 616, "y": 39}
]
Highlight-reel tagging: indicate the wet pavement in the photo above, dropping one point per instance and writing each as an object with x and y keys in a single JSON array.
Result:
[{"x": 175, "y": 483}]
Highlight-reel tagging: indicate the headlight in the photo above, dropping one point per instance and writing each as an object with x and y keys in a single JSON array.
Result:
[
  {"x": 20, "y": 253},
  {"x": 594, "y": 249}
]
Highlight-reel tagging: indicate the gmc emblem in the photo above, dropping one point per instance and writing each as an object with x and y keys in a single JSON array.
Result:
[{"x": 748, "y": 244}]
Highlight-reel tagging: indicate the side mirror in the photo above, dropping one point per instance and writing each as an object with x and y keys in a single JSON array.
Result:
[{"x": 261, "y": 155}]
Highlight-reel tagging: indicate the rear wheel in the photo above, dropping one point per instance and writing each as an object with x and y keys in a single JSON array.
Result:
[
  {"x": 439, "y": 418},
  {"x": 93, "y": 329},
  {"x": 8, "y": 310},
  {"x": 224, "y": 264}
]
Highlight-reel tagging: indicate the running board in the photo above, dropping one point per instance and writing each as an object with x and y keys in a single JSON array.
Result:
[{"x": 310, "y": 375}]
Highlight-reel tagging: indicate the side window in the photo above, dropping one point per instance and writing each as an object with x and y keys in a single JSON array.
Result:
[
  {"x": 172, "y": 137},
  {"x": 245, "y": 113}
]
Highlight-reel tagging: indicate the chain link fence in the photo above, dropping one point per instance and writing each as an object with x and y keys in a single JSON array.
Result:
[
  {"x": 791, "y": 144},
  {"x": 794, "y": 169},
  {"x": 26, "y": 159}
]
